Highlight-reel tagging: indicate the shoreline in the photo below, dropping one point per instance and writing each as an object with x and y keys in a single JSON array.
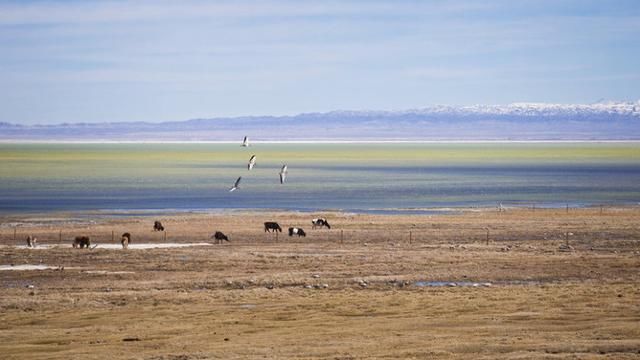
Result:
[
  {"x": 388, "y": 141},
  {"x": 16, "y": 220},
  {"x": 426, "y": 211}
]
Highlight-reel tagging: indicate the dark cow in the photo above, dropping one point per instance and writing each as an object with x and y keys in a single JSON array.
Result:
[
  {"x": 126, "y": 240},
  {"x": 157, "y": 226},
  {"x": 31, "y": 241},
  {"x": 81, "y": 242},
  {"x": 269, "y": 225},
  {"x": 320, "y": 222},
  {"x": 220, "y": 237},
  {"x": 296, "y": 231}
]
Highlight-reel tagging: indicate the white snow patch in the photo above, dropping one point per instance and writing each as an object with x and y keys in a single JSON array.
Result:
[
  {"x": 116, "y": 246},
  {"x": 152, "y": 245},
  {"x": 27, "y": 267}
]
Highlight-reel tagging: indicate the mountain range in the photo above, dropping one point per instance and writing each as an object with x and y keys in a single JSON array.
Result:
[{"x": 518, "y": 121}]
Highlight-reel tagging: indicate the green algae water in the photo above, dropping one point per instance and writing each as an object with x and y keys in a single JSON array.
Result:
[{"x": 342, "y": 176}]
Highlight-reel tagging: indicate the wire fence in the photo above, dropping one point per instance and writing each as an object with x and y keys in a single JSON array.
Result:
[
  {"x": 459, "y": 234},
  {"x": 596, "y": 224}
]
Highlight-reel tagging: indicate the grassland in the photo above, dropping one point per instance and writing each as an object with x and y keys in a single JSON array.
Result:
[
  {"x": 50, "y": 157},
  {"x": 345, "y": 293}
]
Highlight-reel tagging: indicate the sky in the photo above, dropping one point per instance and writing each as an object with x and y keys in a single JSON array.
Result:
[{"x": 105, "y": 61}]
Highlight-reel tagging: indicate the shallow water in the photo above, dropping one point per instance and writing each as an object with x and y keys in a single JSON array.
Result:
[
  {"x": 375, "y": 178},
  {"x": 451, "y": 284},
  {"x": 426, "y": 283}
]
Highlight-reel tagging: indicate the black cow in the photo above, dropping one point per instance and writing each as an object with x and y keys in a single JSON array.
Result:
[
  {"x": 126, "y": 240},
  {"x": 296, "y": 231},
  {"x": 219, "y": 237},
  {"x": 81, "y": 242},
  {"x": 157, "y": 226},
  {"x": 320, "y": 222},
  {"x": 269, "y": 225}
]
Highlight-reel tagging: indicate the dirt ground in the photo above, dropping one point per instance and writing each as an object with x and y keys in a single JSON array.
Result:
[{"x": 530, "y": 284}]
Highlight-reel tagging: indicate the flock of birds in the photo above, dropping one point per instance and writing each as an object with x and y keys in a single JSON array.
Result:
[{"x": 252, "y": 163}]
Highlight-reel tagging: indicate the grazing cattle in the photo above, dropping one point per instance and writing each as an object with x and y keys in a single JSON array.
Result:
[
  {"x": 320, "y": 222},
  {"x": 31, "y": 241},
  {"x": 81, "y": 242},
  {"x": 219, "y": 237},
  {"x": 269, "y": 225},
  {"x": 157, "y": 226},
  {"x": 296, "y": 231},
  {"x": 126, "y": 239}
]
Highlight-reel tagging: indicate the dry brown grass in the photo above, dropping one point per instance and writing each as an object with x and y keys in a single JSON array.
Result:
[{"x": 184, "y": 303}]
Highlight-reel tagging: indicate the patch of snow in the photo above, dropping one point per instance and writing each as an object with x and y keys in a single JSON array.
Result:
[
  {"x": 152, "y": 245},
  {"x": 26, "y": 267},
  {"x": 115, "y": 246}
]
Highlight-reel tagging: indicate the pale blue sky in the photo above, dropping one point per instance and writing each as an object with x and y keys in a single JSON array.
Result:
[{"x": 89, "y": 61}]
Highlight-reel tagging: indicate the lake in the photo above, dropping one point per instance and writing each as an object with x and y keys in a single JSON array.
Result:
[{"x": 359, "y": 177}]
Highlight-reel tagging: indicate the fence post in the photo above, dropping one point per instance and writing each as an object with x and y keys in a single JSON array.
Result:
[
  {"x": 165, "y": 236},
  {"x": 410, "y": 237},
  {"x": 566, "y": 238},
  {"x": 341, "y": 236},
  {"x": 487, "y": 236},
  {"x": 567, "y": 208},
  {"x": 14, "y": 233},
  {"x": 113, "y": 239},
  {"x": 60, "y": 237}
]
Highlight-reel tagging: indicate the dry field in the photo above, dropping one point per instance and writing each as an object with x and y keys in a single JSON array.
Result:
[{"x": 346, "y": 293}]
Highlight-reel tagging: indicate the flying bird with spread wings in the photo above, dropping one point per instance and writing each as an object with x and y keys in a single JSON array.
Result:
[
  {"x": 236, "y": 185},
  {"x": 283, "y": 174},
  {"x": 252, "y": 162}
]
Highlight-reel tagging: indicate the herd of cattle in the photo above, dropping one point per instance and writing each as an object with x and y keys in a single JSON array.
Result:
[{"x": 81, "y": 242}]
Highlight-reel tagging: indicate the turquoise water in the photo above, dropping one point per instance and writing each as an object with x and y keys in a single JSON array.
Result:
[{"x": 378, "y": 178}]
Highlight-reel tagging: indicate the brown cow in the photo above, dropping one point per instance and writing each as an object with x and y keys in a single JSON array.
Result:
[{"x": 126, "y": 239}]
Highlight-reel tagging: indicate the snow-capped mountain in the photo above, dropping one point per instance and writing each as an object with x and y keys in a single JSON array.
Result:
[
  {"x": 520, "y": 109},
  {"x": 517, "y": 121}
]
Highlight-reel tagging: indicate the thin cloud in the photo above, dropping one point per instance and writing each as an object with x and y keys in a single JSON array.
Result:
[{"x": 129, "y": 11}]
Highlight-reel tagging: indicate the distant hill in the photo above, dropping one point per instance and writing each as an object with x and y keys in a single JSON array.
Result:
[{"x": 520, "y": 121}]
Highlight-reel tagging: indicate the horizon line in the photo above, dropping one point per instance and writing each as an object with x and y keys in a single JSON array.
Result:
[{"x": 479, "y": 141}]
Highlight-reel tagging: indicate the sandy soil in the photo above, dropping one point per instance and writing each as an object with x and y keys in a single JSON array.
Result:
[{"x": 345, "y": 293}]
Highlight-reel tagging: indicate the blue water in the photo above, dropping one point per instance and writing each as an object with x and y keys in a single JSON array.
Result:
[{"x": 314, "y": 183}]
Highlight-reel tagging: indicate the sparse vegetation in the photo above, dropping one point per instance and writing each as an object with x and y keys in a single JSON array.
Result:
[{"x": 255, "y": 297}]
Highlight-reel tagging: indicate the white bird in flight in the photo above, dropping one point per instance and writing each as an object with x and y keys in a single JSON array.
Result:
[
  {"x": 283, "y": 174},
  {"x": 245, "y": 142},
  {"x": 252, "y": 162},
  {"x": 236, "y": 185}
]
